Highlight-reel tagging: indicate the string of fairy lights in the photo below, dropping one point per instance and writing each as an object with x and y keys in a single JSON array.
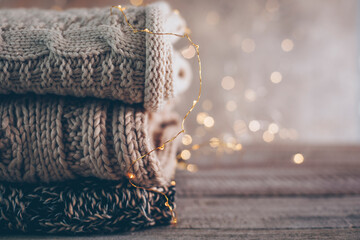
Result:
[
  {"x": 130, "y": 175},
  {"x": 204, "y": 119}
]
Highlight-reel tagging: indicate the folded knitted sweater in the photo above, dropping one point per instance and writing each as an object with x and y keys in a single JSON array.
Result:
[
  {"x": 88, "y": 52},
  {"x": 81, "y": 207},
  {"x": 47, "y": 138}
]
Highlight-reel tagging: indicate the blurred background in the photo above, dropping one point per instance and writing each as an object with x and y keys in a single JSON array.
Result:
[
  {"x": 274, "y": 71},
  {"x": 277, "y": 71}
]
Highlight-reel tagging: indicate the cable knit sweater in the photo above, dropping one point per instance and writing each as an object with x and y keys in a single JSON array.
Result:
[
  {"x": 47, "y": 138},
  {"x": 88, "y": 52}
]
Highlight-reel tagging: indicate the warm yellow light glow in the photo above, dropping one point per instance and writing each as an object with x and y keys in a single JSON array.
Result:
[
  {"x": 181, "y": 165},
  {"x": 195, "y": 147},
  {"x": 189, "y": 52},
  {"x": 185, "y": 154},
  {"x": 228, "y": 83},
  {"x": 231, "y": 106},
  {"x": 293, "y": 134},
  {"x": 273, "y": 128},
  {"x": 214, "y": 142},
  {"x": 272, "y": 5},
  {"x": 276, "y": 77},
  {"x": 207, "y": 105},
  {"x": 136, "y": 2},
  {"x": 239, "y": 127},
  {"x": 254, "y": 126},
  {"x": 174, "y": 221},
  {"x": 268, "y": 136},
  {"x": 238, "y": 147},
  {"x": 173, "y": 183},
  {"x": 248, "y": 45},
  {"x": 298, "y": 158},
  {"x": 230, "y": 145},
  {"x": 287, "y": 45},
  {"x": 57, "y": 8},
  {"x": 250, "y": 95},
  {"x": 186, "y": 139},
  {"x": 130, "y": 175},
  {"x": 201, "y": 117},
  {"x": 212, "y": 18},
  {"x": 209, "y": 122},
  {"x": 192, "y": 168}
]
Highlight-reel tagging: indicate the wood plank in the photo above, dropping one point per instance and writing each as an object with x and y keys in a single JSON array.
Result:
[
  {"x": 173, "y": 233},
  {"x": 270, "y": 181},
  {"x": 252, "y": 217},
  {"x": 270, "y": 154},
  {"x": 269, "y": 213},
  {"x": 270, "y": 171},
  {"x": 244, "y": 234}
]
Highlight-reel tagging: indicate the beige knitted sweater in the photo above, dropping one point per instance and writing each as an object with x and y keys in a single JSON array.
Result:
[
  {"x": 51, "y": 138},
  {"x": 88, "y": 52}
]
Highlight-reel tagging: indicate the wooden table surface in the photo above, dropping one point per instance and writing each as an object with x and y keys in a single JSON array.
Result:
[{"x": 261, "y": 194}]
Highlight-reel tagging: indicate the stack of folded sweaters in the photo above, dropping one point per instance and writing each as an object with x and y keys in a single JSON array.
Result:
[{"x": 81, "y": 98}]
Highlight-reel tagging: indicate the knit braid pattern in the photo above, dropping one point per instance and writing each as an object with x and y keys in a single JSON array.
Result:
[
  {"x": 88, "y": 52},
  {"x": 81, "y": 207},
  {"x": 45, "y": 138}
]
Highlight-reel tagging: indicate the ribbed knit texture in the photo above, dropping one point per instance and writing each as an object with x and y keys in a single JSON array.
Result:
[
  {"x": 81, "y": 207},
  {"x": 47, "y": 138},
  {"x": 88, "y": 52}
]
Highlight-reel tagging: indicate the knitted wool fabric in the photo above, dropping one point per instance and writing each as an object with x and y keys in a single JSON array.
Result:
[
  {"x": 88, "y": 52},
  {"x": 80, "y": 207},
  {"x": 47, "y": 138}
]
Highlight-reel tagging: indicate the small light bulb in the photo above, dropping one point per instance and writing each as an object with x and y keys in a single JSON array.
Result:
[
  {"x": 186, "y": 139},
  {"x": 276, "y": 77},
  {"x": 228, "y": 83},
  {"x": 298, "y": 158},
  {"x": 214, "y": 142},
  {"x": 254, "y": 126},
  {"x": 201, "y": 117},
  {"x": 174, "y": 221},
  {"x": 209, "y": 122},
  {"x": 130, "y": 175},
  {"x": 287, "y": 45},
  {"x": 185, "y": 154}
]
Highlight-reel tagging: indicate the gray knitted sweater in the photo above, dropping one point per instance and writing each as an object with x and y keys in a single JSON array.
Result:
[{"x": 88, "y": 52}]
